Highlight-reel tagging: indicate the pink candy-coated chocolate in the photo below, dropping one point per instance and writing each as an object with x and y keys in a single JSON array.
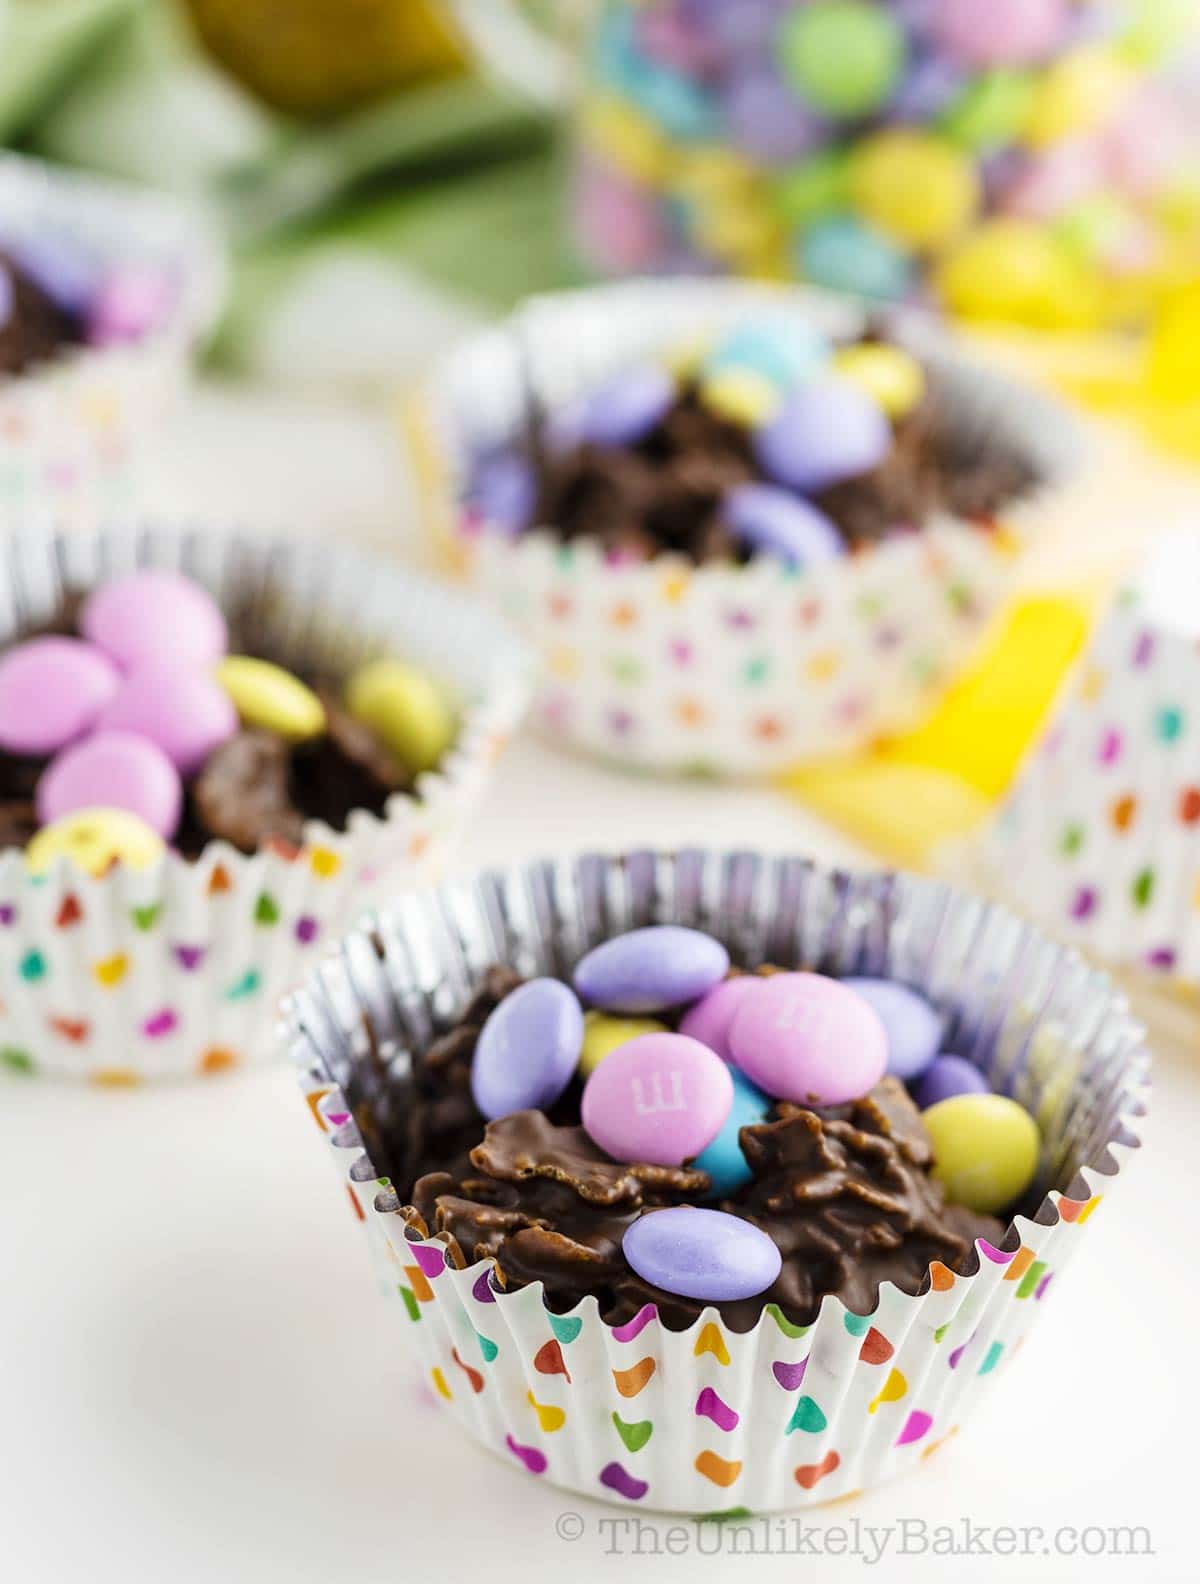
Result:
[
  {"x": 1000, "y": 32},
  {"x": 51, "y": 691},
  {"x": 709, "y": 1020},
  {"x": 186, "y": 713},
  {"x": 113, "y": 770},
  {"x": 809, "y": 1039},
  {"x": 661, "y": 1098},
  {"x": 155, "y": 617}
]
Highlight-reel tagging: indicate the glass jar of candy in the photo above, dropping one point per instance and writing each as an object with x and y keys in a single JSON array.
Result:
[{"x": 1034, "y": 161}]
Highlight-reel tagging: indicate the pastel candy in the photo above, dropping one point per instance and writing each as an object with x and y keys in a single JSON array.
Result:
[
  {"x": 742, "y": 395},
  {"x": 661, "y": 1098},
  {"x": 723, "y": 1159},
  {"x": 651, "y": 969},
  {"x": 826, "y": 431},
  {"x": 776, "y": 522},
  {"x": 889, "y": 374},
  {"x": 155, "y": 617},
  {"x": 59, "y": 266},
  {"x": 186, "y": 712},
  {"x": 844, "y": 56},
  {"x": 984, "y": 33},
  {"x": 95, "y": 839},
  {"x": 783, "y": 351},
  {"x": 128, "y": 305},
  {"x": 627, "y": 407},
  {"x": 113, "y": 769},
  {"x": 504, "y": 491},
  {"x": 809, "y": 1039},
  {"x": 267, "y": 696},
  {"x": 708, "y": 1021},
  {"x": 945, "y": 1077},
  {"x": 603, "y": 1034},
  {"x": 52, "y": 690},
  {"x": 703, "y": 1254},
  {"x": 843, "y": 254},
  {"x": 405, "y": 709},
  {"x": 917, "y": 188},
  {"x": 528, "y": 1049},
  {"x": 914, "y": 1028},
  {"x": 985, "y": 1149}
]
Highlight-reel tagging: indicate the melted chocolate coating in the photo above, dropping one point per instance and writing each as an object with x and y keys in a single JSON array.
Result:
[
  {"x": 844, "y": 1192},
  {"x": 36, "y": 328}
]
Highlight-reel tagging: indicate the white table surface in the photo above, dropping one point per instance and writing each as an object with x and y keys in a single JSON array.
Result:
[{"x": 200, "y": 1382}]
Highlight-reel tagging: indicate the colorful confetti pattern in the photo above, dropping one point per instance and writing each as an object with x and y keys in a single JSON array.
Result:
[
  {"x": 699, "y": 1421},
  {"x": 1103, "y": 825}
]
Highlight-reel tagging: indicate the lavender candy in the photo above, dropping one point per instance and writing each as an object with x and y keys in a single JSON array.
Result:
[
  {"x": 651, "y": 969},
  {"x": 704, "y": 1254},
  {"x": 504, "y": 491},
  {"x": 625, "y": 409},
  {"x": 945, "y": 1077},
  {"x": 528, "y": 1049},
  {"x": 826, "y": 431},
  {"x": 766, "y": 119},
  {"x": 771, "y": 519},
  {"x": 914, "y": 1028},
  {"x": 60, "y": 268}
]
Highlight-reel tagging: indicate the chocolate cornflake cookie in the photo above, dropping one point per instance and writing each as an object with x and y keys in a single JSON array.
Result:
[
  {"x": 845, "y": 1192},
  {"x": 33, "y": 327}
]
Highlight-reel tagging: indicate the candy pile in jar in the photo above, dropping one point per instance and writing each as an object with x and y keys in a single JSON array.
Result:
[
  {"x": 55, "y": 296},
  {"x": 130, "y": 726},
  {"x": 1026, "y": 160},
  {"x": 663, "y": 1128}
]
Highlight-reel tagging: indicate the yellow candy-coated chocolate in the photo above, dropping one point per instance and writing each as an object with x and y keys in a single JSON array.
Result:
[
  {"x": 603, "y": 1034},
  {"x": 96, "y": 839},
  {"x": 888, "y": 373},
  {"x": 267, "y": 696},
  {"x": 985, "y": 1149},
  {"x": 1014, "y": 270},
  {"x": 916, "y": 187},
  {"x": 630, "y": 140},
  {"x": 740, "y": 395},
  {"x": 1174, "y": 361},
  {"x": 1077, "y": 95},
  {"x": 404, "y": 709}
]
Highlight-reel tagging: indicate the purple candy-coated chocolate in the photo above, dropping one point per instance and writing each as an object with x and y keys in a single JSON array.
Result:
[
  {"x": 60, "y": 268},
  {"x": 766, "y": 119},
  {"x": 773, "y": 520},
  {"x": 659, "y": 1098},
  {"x": 930, "y": 86},
  {"x": 708, "y": 1021},
  {"x": 528, "y": 1049},
  {"x": 155, "y": 617},
  {"x": 704, "y": 1254},
  {"x": 914, "y": 1028},
  {"x": 826, "y": 431},
  {"x": 625, "y": 408},
  {"x": 186, "y": 713},
  {"x": 8, "y": 296},
  {"x": 113, "y": 770},
  {"x": 52, "y": 690},
  {"x": 651, "y": 969},
  {"x": 945, "y": 1077},
  {"x": 504, "y": 491},
  {"x": 809, "y": 1039}
]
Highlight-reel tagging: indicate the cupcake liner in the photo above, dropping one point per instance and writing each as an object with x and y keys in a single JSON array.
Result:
[
  {"x": 721, "y": 669},
  {"x": 178, "y": 969},
  {"x": 708, "y": 1419},
  {"x": 1102, "y": 824},
  {"x": 70, "y": 429}
]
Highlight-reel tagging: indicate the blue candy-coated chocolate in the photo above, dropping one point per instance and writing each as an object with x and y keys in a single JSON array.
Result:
[
  {"x": 784, "y": 351},
  {"x": 914, "y": 1028},
  {"x": 845, "y": 255},
  {"x": 767, "y": 518},
  {"x": 945, "y": 1077},
  {"x": 723, "y": 1159},
  {"x": 59, "y": 267},
  {"x": 625, "y": 408},
  {"x": 704, "y": 1254},
  {"x": 651, "y": 969},
  {"x": 528, "y": 1049},
  {"x": 826, "y": 431},
  {"x": 504, "y": 491}
]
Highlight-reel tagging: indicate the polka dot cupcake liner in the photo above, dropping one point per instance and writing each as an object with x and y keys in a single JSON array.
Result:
[
  {"x": 178, "y": 970},
  {"x": 1103, "y": 824},
  {"x": 71, "y": 430},
  {"x": 720, "y": 669},
  {"x": 708, "y": 1420}
]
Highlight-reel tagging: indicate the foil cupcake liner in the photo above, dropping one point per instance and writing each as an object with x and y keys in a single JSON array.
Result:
[
  {"x": 71, "y": 429},
  {"x": 720, "y": 669},
  {"x": 708, "y": 1419},
  {"x": 1102, "y": 826},
  {"x": 178, "y": 969}
]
